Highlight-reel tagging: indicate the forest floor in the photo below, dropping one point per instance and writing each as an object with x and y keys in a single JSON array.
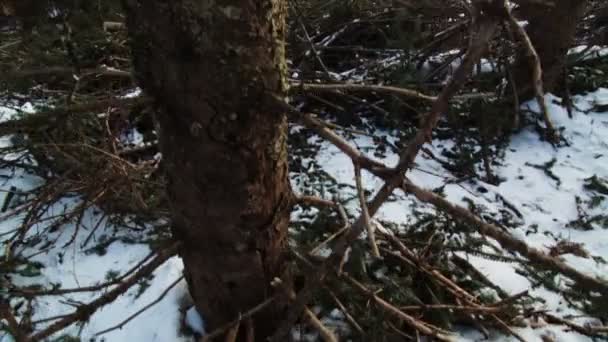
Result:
[{"x": 551, "y": 196}]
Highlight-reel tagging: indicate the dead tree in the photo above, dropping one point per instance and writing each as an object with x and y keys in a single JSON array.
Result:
[{"x": 208, "y": 66}]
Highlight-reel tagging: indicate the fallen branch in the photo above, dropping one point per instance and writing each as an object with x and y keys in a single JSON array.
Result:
[
  {"x": 326, "y": 334},
  {"x": 425, "y": 328},
  {"x": 537, "y": 76},
  {"x": 313, "y": 87},
  {"x": 221, "y": 330},
  {"x": 84, "y": 312},
  {"x": 342, "y": 308},
  {"x": 371, "y": 235},
  {"x": 590, "y": 331},
  {"x": 507, "y": 241},
  {"x": 13, "y": 326},
  {"x": 142, "y": 310}
]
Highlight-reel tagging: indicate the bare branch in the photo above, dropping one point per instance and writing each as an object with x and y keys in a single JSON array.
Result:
[
  {"x": 414, "y": 323},
  {"x": 142, "y": 310},
  {"x": 84, "y": 312},
  {"x": 507, "y": 241},
  {"x": 537, "y": 76}
]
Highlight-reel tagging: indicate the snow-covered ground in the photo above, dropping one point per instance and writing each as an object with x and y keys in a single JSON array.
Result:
[{"x": 547, "y": 206}]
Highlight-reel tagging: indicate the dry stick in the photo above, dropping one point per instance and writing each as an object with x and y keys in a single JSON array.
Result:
[
  {"x": 233, "y": 332},
  {"x": 54, "y": 292},
  {"x": 414, "y": 323},
  {"x": 537, "y": 76},
  {"x": 13, "y": 326},
  {"x": 298, "y": 14},
  {"x": 324, "y": 243},
  {"x": 109, "y": 72},
  {"x": 371, "y": 235},
  {"x": 342, "y": 308},
  {"x": 406, "y": 254},
  {"x": 392, "y": 90},
  {"x": 326, "y": 334},
  {"x": 317, "y": 201},
  {"x": 507, "y": 328},
  {"x": 84, "y": 312},
  {"x": 364, "y": 88},
  {"x": 584, "y": 330},
  {"x": 142, "y": 310},
  {"x": 314, "y": 201},
  {"x": 484, "y": 30},
  {"x": 512, "y": 299},
  {"x": 477, "y": 309},
  {"x": 507, "y": 241},
  {"x": 221, "y": 330},
  {"x": 344, "y": 228}
]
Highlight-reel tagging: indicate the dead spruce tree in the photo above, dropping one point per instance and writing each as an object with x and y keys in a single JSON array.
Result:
[{"x": 208, "y": 66}]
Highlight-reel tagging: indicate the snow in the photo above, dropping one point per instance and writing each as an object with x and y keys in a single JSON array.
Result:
[{"x": 547, "y": 207}]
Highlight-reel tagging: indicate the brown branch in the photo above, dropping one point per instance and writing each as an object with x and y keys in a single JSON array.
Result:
[
  {"x": 221, "y": 330},
  {"x": 326, "y": 334},
  {"x": 68, "y": 71},
  {"x": 425, "y": 328},
  {"x": 13, "y": 326},
  {"x": 342, "y": 308},
  {"x": 407, "y": 256},
  {"x": 84, "y": 312},
  {"x": 537, "y": 76},
  {"x": 442, "y": 307},
  {"x": 314, "y": 201},
  {"x": 507, "y": 241},
  {"x": 362, "y": 88},
  {"x": 57, "y": 292},
  {"x": 584, "y": 330},
  {"x": 506, "y": 328},
  {"x": 142, "y": 310},
  {"x": 371, "y": 235}
]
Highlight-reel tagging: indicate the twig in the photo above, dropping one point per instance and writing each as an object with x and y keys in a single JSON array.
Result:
[
  {"x": 233, "y": 332},
  {"x": 537, "y": 76},
  {"x": 507, "y": 241},
  {"x": 363, "y": 88},
  {"x": 84, "y": 312},
  {"x": 414, "y": 323},
  {"x": 314, "y": 201},
  {"x": 298, "y": 13},
  {"x": 371, "y": 235},
  {"x": 142, "y": 310},
  {"x": 342, "y": 308},
  {"x": 584, "y": 330},
  {"x": 57, "y": 292},
  {"x": 442, "y": 307},
  {"x": 507, "y": 328},
  {"x": 326, "y": 334},
  {"x": 13, "y": 326},
  {"x": 221, "y": 330}
]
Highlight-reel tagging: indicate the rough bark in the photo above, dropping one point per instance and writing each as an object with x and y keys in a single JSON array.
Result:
[
  {"x": 552, "y": 30},
  {"x": 208, "y": 65}
]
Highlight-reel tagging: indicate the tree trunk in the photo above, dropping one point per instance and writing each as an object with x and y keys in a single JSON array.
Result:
[
  {"x": 552, "y": 30},
  {"x": 208, "y": 65}
]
